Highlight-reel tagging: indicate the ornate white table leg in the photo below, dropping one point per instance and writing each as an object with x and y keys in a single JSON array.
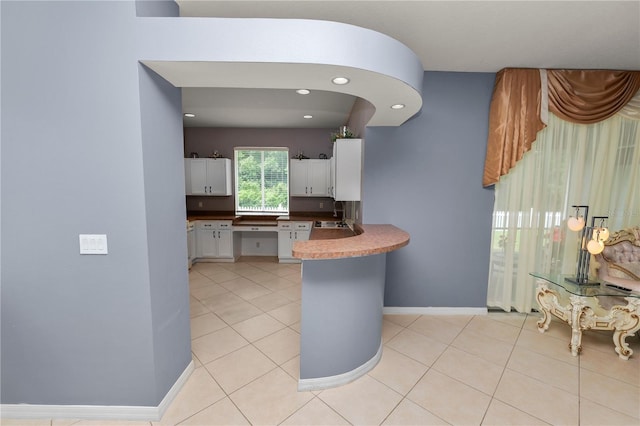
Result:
[
  {"x": 626, "y": 321},
  {"x": 546, "y": 300},
  {"x": 577, "y": 309}
]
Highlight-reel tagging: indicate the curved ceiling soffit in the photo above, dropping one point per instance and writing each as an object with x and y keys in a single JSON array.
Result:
[{"x": 285, "y": 54}]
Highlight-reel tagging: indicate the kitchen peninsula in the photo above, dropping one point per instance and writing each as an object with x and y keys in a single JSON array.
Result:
[{"x": 343, "y": 283}]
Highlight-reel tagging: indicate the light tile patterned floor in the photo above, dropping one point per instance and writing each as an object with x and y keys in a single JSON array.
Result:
[{"x": 435, "y": 370}]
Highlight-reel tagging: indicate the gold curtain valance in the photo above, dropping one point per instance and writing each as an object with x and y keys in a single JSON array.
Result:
[
  {"x": 586, "y": 97},
  {"x": 514, "y": 120},
  {"x": 578, "y": 96}
]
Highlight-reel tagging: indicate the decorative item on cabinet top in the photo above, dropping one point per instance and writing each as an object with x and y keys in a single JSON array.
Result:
[
  {"x": 300, "y": 156},
  {"x": 343, "y": 133}
]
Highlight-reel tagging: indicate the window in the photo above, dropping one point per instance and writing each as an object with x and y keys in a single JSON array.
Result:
[{"x": 262, "y": 181}]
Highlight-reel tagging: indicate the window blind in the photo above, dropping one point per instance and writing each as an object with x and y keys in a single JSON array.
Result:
[{"x": 262, "y": 181}]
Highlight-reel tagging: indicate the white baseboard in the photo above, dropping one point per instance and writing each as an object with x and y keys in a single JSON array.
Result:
[
  {"x": 398, "y": 310},
  {"x": 320, "y": 383},
  {"x": 96, "y": 412}
]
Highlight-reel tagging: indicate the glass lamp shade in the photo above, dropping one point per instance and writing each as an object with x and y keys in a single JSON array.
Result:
[
  {"x": 595, "y": 246},
  {"x": 575, "y": 223}
]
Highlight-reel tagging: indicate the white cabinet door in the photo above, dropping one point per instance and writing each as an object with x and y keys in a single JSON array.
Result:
[
  {"x": 207, "y": 244},
  {"x": 309, "y": 178},
  {"x": 207, "y": 176},
  {"x": 219, "y": 176},
  {"x": 298, "y": 178},
  {"x": 285, "y": 243},
  {"x": 225, "y": 244},
  {"x": 198, "y": 176},
  {"x": 318, "y": 178},
  {"x": 348, "y": 169}
]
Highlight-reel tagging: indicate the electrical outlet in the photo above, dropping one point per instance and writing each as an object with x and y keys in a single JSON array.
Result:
[
  {"x": 321, "y": 205},
  {"x": 199, "y": 203},
  {"x": 257, "y": 244}
]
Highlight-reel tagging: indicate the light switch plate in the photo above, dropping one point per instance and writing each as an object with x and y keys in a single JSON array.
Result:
[{"x": 93, "y": 244}]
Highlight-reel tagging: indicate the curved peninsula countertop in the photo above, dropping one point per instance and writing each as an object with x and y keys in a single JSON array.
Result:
[
  {"x": 365, "y": 240},
  {"x": 343, "y": 280}
]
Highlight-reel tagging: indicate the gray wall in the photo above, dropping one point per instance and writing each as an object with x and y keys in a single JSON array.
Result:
[
  {"x": 163, "y": 167},
  {"x": 76, "y": 158},
  {"x": 426, "y": 178}
]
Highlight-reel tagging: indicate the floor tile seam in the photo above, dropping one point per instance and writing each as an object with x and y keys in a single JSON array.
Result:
[
  {"x": 228, "y": 394},
  {"x": 452, "y": 345},
  {"x": 266, "y": 312},
  {"x": 266, "y": 335},
  {"x": 411, "y": 357},
  {"x": 309, "y": 402},
  {"x": 406, "y": 397},
  {"x": 607, "y": 376},
  {"x": 592, "y": 370},
  {"x": 532, "y": 376},
  {"x": 279, "y": 364},
  {"x": 490, "y": 395},
  {"x": 598, "y": 403},
  {"x": 506, "y": 367},
  {"x": 389, "y": 387},
  {"x": 494, "y": 398},
  {"x": 431, "y": 337},
  {"x": 208, "y": 406},
  {"x": 217, "y": 310},
  {"x": 272, "y": 316}
]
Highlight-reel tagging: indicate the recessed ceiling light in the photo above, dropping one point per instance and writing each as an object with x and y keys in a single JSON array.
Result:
[
  {"x": 302, "y": 92},
  {"x": 397, "y": 106},
  {"x": 340, "y": 80},
  {"x": 189, "y": 115},
  {"x": 307, "y": 116}
]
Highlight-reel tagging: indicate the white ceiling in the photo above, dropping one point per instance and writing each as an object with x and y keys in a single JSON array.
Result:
[{"x": 464, "y": 36}]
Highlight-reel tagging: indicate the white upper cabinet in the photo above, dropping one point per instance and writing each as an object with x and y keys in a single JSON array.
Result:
[
  {"x": 208, "y": 176},
  {"x": 346, "y": 175},
  {"x": 309, "y": 178}
]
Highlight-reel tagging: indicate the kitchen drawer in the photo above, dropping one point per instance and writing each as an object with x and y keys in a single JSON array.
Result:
[
  {"x": 294, "y": 226},
  {"x": 256, "y": 228},
  {"x": 214, "y": 224}
]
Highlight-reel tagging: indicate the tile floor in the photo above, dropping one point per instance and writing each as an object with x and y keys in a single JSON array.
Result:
[{"x": 435, "y": 370}]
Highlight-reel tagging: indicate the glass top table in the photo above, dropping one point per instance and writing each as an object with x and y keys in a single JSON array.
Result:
[
  {"x": 588, "y": 307},
  {"x": 586, "y": 290}
]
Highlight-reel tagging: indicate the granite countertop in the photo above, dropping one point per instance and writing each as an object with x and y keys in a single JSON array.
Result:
[{"x": 370, "y": 240}]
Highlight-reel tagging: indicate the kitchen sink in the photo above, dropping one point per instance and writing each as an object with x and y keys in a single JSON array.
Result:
[{"x": 329, "y": 224}]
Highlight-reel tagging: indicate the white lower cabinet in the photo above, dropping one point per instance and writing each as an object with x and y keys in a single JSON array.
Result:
[
  {"x": 288, "y": 233},
  {"x": 214, "y": 240}
]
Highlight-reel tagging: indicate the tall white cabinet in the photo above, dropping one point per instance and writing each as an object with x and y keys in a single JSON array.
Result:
[
  {"x": 208, "y": 176},
  {"x": 309, "y": 178},
  {"x": 346, "y": 170}
]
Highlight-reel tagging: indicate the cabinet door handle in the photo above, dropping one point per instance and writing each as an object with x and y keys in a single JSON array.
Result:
[
  {"x": 311, "y": 190},
  {"x": 290, "y": 234},
  {"x": 296, "y": 233},
  {"x": 305, "y": 190}
]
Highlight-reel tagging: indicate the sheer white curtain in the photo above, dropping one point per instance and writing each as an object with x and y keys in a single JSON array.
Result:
[{"x": 569, "y": 164}]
